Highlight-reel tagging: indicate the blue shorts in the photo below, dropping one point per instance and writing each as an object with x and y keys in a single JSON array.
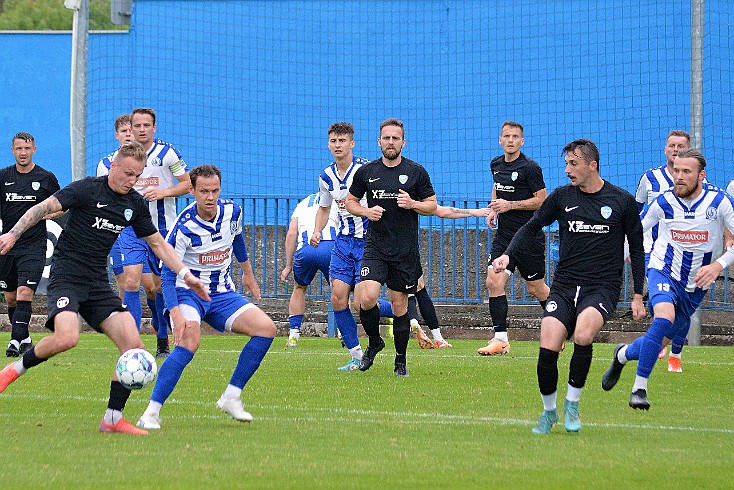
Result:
[
  {"x": 309, "y": 260},
  {"x": 115, "y": 258},
  {"x": 346, "y": 259},
  {"x": 665, "y": 290},
  {"x": 134, "y": 251},
  {"x": 220, "y": 312}
]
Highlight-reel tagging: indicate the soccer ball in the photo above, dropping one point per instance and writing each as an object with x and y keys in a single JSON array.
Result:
[{"x": 136, "y": 369}]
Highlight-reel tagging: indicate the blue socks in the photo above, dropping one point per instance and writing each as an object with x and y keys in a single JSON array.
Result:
[
  {"x": 646, "y": 348},
  {"x": 132, "y": 302},
  {"x": 347, "y": 326},
  {"x": 295, "y": 322},
  {"x": 250, "y": 358},
  {"x": 170, "y": 373}
]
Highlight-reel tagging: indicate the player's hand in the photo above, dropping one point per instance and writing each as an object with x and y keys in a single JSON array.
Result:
[
  {"x": 500, "y": 263},
  {"x": 374, "y": 213},
  {"x": 492, "y": 219},
  {"x": 153, "y": 194},
  {"x": 285, "y": 272},
  {"x": 251, "y": 287},
  {"x": 7, "y": 242},
  {"x": 638, "y": 307},
  {"x": 480, "y": 213},
  {"x": 404, "y": 200},
  {"x": 500, "y": 205},
  {"x": 178, "y": 324},
  {"x": 315, "y": 239},
  {"x": 707, "y": 274},
  {"x": 196, "y": 286}
]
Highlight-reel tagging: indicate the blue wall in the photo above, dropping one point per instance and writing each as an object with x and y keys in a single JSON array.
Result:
[
  {"x": 35, "y": 80},
  {"x": 252, "y": 86}
]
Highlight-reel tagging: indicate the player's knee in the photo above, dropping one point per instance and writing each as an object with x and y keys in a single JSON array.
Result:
[
  {"x": 538, "y": 289},
  {"x": 266, "y": 328},
  {"x": 66, "y": 340},
  {"x": 338, "y": 301}
]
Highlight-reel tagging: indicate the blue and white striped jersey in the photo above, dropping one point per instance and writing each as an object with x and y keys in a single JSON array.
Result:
[
  {"x": 163, "y": 165},
  {"x": 103, "y": 167},
  {"x": 333, "y": 188},
  {"x": 206, "y": 247},
  {"x": 690, "y": 232},
  {"x": 652, "y": 183},
  {"x": 305, "y": 212}
]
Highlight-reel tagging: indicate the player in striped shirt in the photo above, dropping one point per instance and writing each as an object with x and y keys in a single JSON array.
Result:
[
  {"x": 304, "y": 260},
  {"x": 682, "y": 265},
  {"x": 123, "y": 134},
  {"x": 165, "y": 177},
  {"x": 205, "y": 236},
  {"x": 346, "y": 259}
]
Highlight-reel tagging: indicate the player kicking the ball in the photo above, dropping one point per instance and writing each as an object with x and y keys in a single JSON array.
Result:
[
  {"x": 99, "y": 209},
  {"x": 206, "y": 235}
]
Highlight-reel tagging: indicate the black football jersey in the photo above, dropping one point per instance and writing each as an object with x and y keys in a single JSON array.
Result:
[
  {"x": 20, "y": 192},
  {"x": 396, "y": 233},
  {"x": 592, "y": 228},
  {"x": 96, "y": 217},
  {"x": 515, "y": 181}
]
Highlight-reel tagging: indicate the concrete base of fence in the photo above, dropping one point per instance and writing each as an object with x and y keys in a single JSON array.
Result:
[{"x": 457, "y": 322}]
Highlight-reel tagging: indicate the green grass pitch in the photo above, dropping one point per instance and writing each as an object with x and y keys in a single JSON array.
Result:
[{"x": 459, "y": 421}]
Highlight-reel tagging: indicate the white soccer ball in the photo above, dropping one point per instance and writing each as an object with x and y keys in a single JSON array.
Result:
[{"x": 136, "y": 369}]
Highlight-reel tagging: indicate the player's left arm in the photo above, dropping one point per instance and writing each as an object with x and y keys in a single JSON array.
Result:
[
  {"x": 425, "y": 207},
  {"x": 31, "y": 217},
  {"x": 633, "y": 232},
  {"x": 164, "y": 251},
  {"x": 249, "y": 283}
]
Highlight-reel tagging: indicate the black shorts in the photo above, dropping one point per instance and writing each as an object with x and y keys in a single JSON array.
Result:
[
  {"x": 22, "y": 269},
  {"x": 530, "y": 260},
  {"x": 399, "y": 275},
  {"x": 566, "y": 302},
  {"x": 94, "y": 301}
]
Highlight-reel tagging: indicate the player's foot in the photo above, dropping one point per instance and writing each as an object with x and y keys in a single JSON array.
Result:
[
  {"x": 611, "y": 376},
  {"x": 24, "y": 347},
  {"x": 292, "y": 341},
  {"x": 122, "y": 427},
  {"x": 494, "y": 347},
  {"x": 401, "y": 371},
  {"x": 423, "y": 340},
  {"x": 162, "y": 350},
  {"x": 7, "y": 376},
  {"x": 547, "y": 419},
  {"x": 12, "y": 350},
  {"x": 638, "y": 400},
  {"x": 442, "y": 344},
  {"x": 369, "y": 355},
  {"x": 233, "y": 407},
  {"x": 352, "y": 365},
  {"x": 150, "y": 421},
  {"x": 674, "y": 365},
  {"x": 571, "y": 418},
  {"x": 663, "y": 352}
]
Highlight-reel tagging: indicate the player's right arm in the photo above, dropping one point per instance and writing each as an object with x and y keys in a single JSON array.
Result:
[
  {"x": 641, "y": 193},
  {"x": 291, "y": 241},
  {"x": 455, "y": 213},
  {"x": 492, "y": 216},
  {"x": 322, "y": 217},
  {"x": 35, "y": 214}
]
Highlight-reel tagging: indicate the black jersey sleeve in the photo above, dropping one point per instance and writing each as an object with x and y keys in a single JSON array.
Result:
[
  {"x": 358, "y": 187},
  {"x": 544, "y": 216},
  {"x": 73, "y": 194},
  {"x": 633, "y": 231},
  {"x": 535, "y": 178},
  {"x": 424, "y": 189},
  {"x": 143, "y": 222}
]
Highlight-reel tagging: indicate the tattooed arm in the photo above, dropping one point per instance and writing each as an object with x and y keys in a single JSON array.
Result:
[
  {"x": 451, "y": 212},
  {"x": 30, "y": 218}
]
